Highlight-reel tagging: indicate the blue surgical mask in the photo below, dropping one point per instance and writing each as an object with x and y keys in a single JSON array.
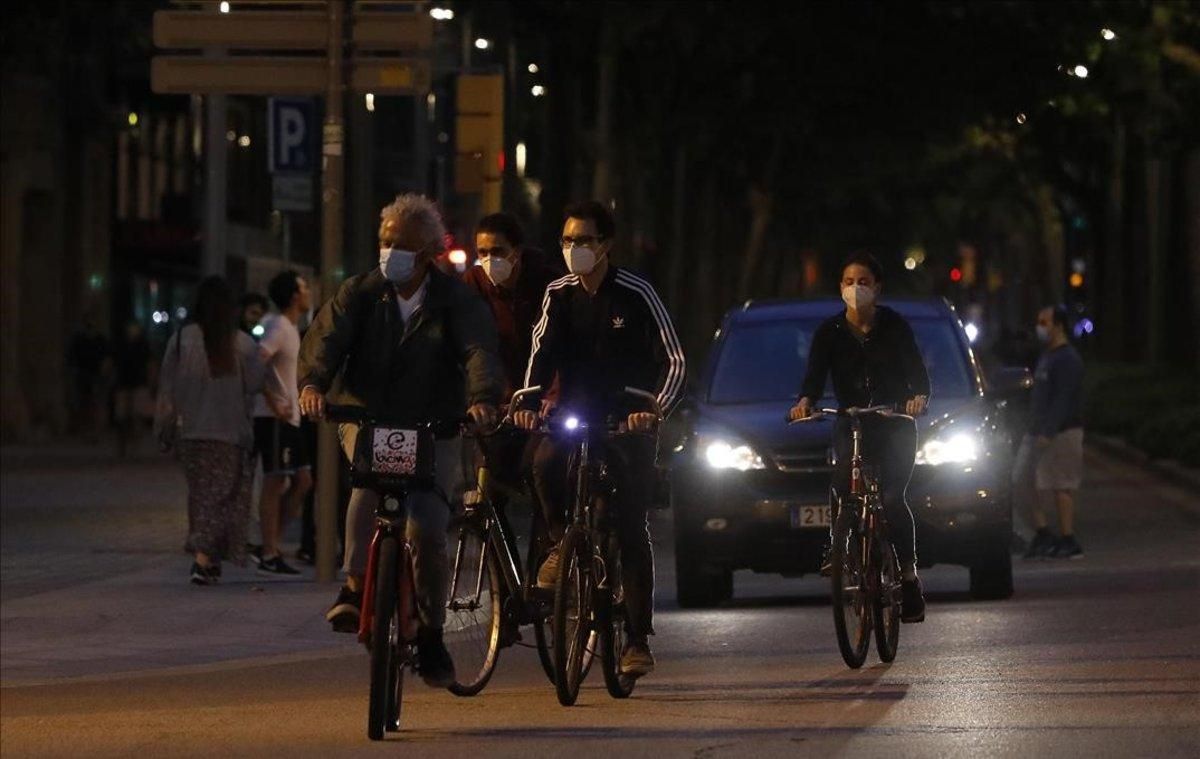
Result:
[{"x": 397, "y": 264}]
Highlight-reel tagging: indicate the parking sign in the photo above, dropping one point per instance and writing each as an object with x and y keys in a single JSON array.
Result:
[{"x": 292, "y": 141}]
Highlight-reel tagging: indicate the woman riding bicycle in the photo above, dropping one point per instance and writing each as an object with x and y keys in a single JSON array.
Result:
[{"x": 873, "y": 357}]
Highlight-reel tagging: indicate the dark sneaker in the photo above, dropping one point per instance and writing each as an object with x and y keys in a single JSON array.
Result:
[
  {"x": 344, "y": 613},
  {"x": 636, "y": 659},
  {"x": 1067, "y": 547},
  {"x": 433, "y": 660},
  {"x": 306, "y": 557},
  {"x": 912, "y": 602},
  {"x": 827, "y": 561},
  {"x": 1042, "y": 545},
  {"x": 548, "y": 573},
  {"x": 277, "y": 566},
  {"x": 202, "y": 575},
  {"x": 254, "y": 553}
]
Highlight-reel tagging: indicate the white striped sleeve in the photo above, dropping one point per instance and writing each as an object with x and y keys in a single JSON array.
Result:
[
  {"x": 672, "y": 390},
  {"x": 539, "y": 329}
]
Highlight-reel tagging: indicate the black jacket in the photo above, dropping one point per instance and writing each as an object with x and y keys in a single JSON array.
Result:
[
  {"x": 885, "y": 367},
  {"x": 431, "y": 369},
  {"x": 598, "y": 345}
]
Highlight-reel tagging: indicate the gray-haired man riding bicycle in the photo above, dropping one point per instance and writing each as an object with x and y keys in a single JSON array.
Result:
[
  {"x": 873, "y": 358},
  {"x": 405, "y": 341}
]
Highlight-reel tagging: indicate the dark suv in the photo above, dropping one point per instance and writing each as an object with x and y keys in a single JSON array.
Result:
[{"x": 749, "y": 491}]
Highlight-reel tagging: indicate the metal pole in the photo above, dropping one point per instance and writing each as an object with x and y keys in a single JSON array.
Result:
[
  {"x": 332, "y": 181},
  {"x": 215, "y": 162},
  {"x": 286, "y": 219}
]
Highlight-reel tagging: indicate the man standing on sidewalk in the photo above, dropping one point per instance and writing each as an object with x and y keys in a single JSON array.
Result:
[
  {"x": 277, "y": 438},
  {"x": 1052, "y": 450}
]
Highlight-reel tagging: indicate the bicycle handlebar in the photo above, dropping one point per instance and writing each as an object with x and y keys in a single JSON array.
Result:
[
  {"x": 359, "y": 415},
  {"x": 886, "y": 411}
]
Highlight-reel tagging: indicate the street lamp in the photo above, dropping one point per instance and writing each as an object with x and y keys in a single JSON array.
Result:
[
  {"x": 1081, "y": 71},
  {"x": 483, "y": 43},
  {"x": 224, "y": 7},
  {"x": 533, "y": 68},
  {"x": 1108, "y": 34},
  {"x": 441, "y": 14},
  {"x": 537, "y": 90}
]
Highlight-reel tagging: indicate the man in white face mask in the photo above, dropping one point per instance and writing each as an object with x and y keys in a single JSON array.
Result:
[
  {"x": 871, "y": 354},
  {"x": 412, "y": 344}
]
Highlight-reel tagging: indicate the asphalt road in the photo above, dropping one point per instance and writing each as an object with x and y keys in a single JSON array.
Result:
[{"x": 107, "y": 652}]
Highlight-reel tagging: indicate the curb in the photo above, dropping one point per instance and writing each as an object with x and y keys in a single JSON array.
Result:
[{"x": 1170, "y": 470}]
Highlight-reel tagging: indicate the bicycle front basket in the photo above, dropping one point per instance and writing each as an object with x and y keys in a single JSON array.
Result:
[{"x": 394, "y": 453}]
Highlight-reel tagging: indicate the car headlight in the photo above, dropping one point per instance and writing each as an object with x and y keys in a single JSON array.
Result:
[
  {"x": 957, "y": 449},
  {"x": 728, "y": 453}
]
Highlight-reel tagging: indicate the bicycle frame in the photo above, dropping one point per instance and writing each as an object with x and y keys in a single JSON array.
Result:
[{"x": 390, "y": 523}]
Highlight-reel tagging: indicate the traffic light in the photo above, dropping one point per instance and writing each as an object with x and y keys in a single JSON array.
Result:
[{"x": 479, "y": 138}]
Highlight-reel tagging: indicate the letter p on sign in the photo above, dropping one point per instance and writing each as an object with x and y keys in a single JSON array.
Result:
[{"x": 290, "y": 127}]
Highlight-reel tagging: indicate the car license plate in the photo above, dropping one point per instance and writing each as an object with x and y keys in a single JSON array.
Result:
[{"x": 804, "y": 517}]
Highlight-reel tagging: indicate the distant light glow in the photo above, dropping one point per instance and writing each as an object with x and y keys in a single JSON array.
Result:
[
  {"x": 231, "y": 135},
  {"x": 458, "y": 257},
  {"x": 1108, "y": 34},
  {"x": 133, "y": 119},
  {"x": 483, "y": 43},
  {"x": 442, "y": 14},
  {"x": 369, "y": 99},
  {"x": 1084, "y": 327},
  {"x": 572, "y": 423},
  {"x": 160, "y": 317},
  {"x": 521, "y": 156},
  {"x": 537, "y": 90},
  {"x": 224, "y": 7},
  {"x": 244, "y": 141},
  {"x": 259, "y": 330},
  {"x": 1076, "y": 279},
  {"x": 910, "y": 263},
  {"x": 96, "y": 281},
  {"x": 956, "y": 274},
  {"x": 181, "y": 313},
  {"x": 533, "y": 68},
  {"x": 972, "y": 331},
  {"x": 1022, "y": 118},
  {"x": 1081, "y": 72}
]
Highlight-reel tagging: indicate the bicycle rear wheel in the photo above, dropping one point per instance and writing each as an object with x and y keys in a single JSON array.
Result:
[
  {"x": 887, "y": 600},
  {"x": 384, "y": 708},
  {"x": 613, "y": 632},
  {"x": 572, "y": 622},
  {"x": 474, "y": 612},
  {"x": 851, "y": 611}
]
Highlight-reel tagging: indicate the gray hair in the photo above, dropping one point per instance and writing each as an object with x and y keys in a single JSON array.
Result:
[{"x": 417, "y": 219}]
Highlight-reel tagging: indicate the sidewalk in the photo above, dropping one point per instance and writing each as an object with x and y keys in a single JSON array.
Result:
[{"x": 93, "y": 580}]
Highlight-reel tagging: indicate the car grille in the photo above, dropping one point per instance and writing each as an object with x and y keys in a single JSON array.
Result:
[{"x": 802, "y": 462}]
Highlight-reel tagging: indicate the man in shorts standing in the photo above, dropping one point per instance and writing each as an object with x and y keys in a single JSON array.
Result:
[
  {"x": 286, "y": 459},
  {"x": 1051, "y": 454}
]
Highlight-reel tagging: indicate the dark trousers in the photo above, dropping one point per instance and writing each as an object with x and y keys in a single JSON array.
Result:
[
  {"x": 890, "y": 447},
  {"x": 631, "y": 469}
]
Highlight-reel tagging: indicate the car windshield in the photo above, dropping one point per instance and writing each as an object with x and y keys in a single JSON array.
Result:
[{"x": 765, "y": 362}]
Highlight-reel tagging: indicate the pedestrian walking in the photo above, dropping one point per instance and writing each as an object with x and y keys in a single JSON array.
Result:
[
  {"x": 210, "y": 376},
  {"x": 1049, "y": 463}
]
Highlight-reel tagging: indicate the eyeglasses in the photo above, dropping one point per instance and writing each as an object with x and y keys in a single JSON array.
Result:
[{"x": 582, "y": 241}]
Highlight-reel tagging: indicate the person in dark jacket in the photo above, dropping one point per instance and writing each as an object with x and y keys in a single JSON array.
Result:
[
  {"x": 404, "y": 341},
  {"x": 873, "y": 358},
  {"x": 603, "y": 329}
]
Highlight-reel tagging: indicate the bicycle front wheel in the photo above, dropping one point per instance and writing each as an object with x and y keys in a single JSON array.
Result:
[
  {"x": 572, "y": 622},
  {"x": 887, "y": 600},
  {"x": 851, "y": 610},
  {"x": 383, "y": 711},
  {"x": 474, "y": 613}
]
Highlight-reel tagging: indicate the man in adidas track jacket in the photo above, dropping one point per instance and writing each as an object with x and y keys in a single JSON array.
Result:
[{"x": 603, "y": 329}]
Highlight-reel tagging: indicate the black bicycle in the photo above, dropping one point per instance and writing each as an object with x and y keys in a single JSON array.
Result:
[
  {"x": 490, "y": 597},
  {"x": 865, "y": 576},
  {"x": 394, "y": 458},
  {"x": 589, "y": 599}
]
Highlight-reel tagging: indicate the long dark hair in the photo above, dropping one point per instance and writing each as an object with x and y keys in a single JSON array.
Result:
[{"x": 214, "y": 313}]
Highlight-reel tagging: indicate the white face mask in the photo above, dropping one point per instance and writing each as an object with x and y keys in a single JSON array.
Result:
[
  {"x": 397, "y": 265},
  {"x": 497, "y": 269},
  {"x": 1043, "y": 333},
  {"x": 858, "y": 296},
  {"x": 579, "y": 260}
]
